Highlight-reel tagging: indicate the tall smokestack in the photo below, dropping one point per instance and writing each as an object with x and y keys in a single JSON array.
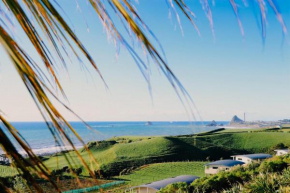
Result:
[{"x": 244, "y": 117}]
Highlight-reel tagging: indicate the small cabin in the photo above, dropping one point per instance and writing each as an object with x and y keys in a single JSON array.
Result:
[
  {"x": 156, "y": 186},
  {"x": 281, "y": 151},
  {"x": 221, "y": 165},
  {"x": 248, "y": 158}
]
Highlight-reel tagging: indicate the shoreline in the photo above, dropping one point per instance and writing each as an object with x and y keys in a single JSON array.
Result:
[{"x": 48, "y": 151}]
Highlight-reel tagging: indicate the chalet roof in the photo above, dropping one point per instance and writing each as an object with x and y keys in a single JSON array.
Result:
[
  {"x": 227, "y": 162},
  {"x": 254, "y": 156}
]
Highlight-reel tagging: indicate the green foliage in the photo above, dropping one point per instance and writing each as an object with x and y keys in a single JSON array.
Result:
[
  {"x": 272, "y": 175},
  {"x": 19, "y": 184},
  {"x": 263, "y": 183},
  {"x": 180, "y": 187},
  {"x": 217, "y": 182},
  {"x": 276, "y": 165},
  {"x": 99, "y": 146},
  {"x": 225, "y": 179},
  {"x": 236, "y": 188}
]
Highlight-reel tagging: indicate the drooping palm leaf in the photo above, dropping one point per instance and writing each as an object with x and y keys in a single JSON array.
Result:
[
  {"x": 41, "y": 22},
  {"x": 56, "y": 30}
]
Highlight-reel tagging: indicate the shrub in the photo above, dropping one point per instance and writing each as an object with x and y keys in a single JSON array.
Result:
[
  {"x": 276, "y": 164},
  {"x": 237, "y": 188},
  {"x": 180, "y": 187},
  {"x": 19, "y": 184},
  {"x": 263, "y": 183},
  {"x": 271, "y": 175},
  {"x": 285, "y": 178},
  {"x": 284, "y": 189},
  {"x": 218, "y": 182}
]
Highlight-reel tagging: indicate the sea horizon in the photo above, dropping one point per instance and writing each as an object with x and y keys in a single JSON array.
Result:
[{"x": 41, "y": 141}]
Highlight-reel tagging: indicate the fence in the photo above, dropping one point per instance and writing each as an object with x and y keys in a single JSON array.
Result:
[{"x": 103, "y": 186}]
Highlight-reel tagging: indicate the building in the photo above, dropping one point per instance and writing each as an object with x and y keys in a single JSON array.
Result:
[
  {"x": 282, "y": 151},
  {"x": 156, "y": 186},
  {"x": 4, "y": 160},
  {"x": 221, "y": 165},
  {"x": 248, "y": 158}
]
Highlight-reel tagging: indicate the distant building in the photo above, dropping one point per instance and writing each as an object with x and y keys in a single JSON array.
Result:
[
  {"x": 221, "y": 165},
  {"x": 248, "y": 158},
  {"x": 282, "y": 151},
  {"x": 156, "y": 186},
  {"x": 4, "y": 160},
  {"x": 285, "y": 120}
]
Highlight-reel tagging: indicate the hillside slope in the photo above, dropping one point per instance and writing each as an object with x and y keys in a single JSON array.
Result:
[{"x": 116, "y": 154}]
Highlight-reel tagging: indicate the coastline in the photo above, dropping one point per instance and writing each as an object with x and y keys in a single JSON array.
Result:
[
  {"x": 40, "y": 140},
  {"x": 47, "y": 151},
  {"x": 50, "y": 150}
]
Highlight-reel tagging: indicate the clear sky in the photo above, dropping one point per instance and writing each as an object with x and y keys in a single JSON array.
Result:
[{"x": 226, "y": 74}]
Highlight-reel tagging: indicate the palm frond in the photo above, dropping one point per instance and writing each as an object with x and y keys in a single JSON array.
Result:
[
  {"x": 235, "y": 8},
  {"x": 50, "y": 26}
]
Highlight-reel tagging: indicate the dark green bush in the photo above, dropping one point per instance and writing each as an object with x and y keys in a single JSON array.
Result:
[
  {"x": 218, "y": 182},
  {"x": 272, "y": 175},
  {"x": 180, "y": 187},
  {"x": 263, "y": 182},
  {"x": 274, "y": 165}
]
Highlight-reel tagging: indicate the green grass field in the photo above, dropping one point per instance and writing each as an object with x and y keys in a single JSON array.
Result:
[
  {"x": 256, "y": 142},
  {"x": 7, "y": 171},
  {"x": 116, "y": 154},
  {"x": 127, "y": 150},
  {"x": 119, "y": 153},
  {"x": 159, "y": 171},
  {"x": 164, "y": 157}
]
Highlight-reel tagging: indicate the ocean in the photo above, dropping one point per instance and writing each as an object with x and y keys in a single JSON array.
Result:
[{"x": 41, "y": 141}]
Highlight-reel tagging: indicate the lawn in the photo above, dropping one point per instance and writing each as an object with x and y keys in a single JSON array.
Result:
[
  {"x": 126, "y": 150},
  {"x": 7, "y": 171},
  {"x": 164, "y": 157},
  {"x": 117, "y": 154},
  {"x": 252, "y": 142},
  {"x": 159, "y": 171}
]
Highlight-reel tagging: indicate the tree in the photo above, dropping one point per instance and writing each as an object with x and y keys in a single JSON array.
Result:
[{"x": 42, "y": 22}]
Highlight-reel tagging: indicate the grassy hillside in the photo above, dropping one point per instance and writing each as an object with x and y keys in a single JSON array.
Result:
[
  {"x": 255, "y": 142},
  {"x": 119, "y": 153},
  {"x": 129, "y": 152},
  {"x": 159, "y": 171},
  {"x": 125, "y": 155}
]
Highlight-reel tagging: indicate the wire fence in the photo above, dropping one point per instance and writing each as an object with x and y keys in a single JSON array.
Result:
[{"x": 103, "y": 186}]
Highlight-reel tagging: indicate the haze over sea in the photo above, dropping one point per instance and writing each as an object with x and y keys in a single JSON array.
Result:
[{"x": 40, "y": 139}]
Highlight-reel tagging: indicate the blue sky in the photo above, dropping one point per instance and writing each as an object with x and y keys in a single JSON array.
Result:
[{"x": 226, "y": 74}]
